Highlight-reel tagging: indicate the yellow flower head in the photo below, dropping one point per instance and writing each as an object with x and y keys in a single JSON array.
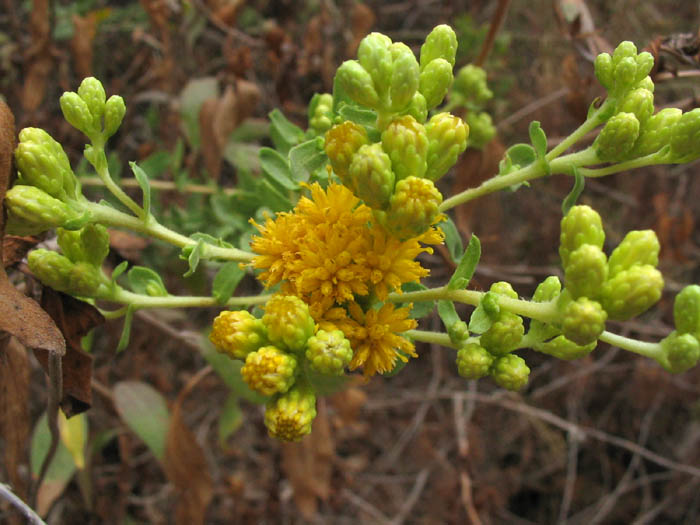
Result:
[
  {"x": 328, "y": 251},
  {"x": 374, "y": 335}
]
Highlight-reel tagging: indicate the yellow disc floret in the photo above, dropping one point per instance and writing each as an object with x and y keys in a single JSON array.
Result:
[
  {"x": 289, "y": 417},
  {"x": 238, "y": 333},
  {"x": 269, "y": 370},
  {"x": 288, "y": 321}
]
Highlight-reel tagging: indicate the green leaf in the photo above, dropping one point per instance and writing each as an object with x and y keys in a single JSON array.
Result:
[
  {"x": 362, "y": 116},
  {"x": 522, "y": 154},
  {"x": 306, "y": 158},
  {"x": 421, "y": 308},
  {"x": 145, "y": 281},
  {"x": 142, "y": 179},
  {"x": 194, "y": 257},
  {"x": 276, "y": 168},
  {"x": 325, "y": 385},
  {"x": 62, "y": 465},
  {"x": 453, "y": 240},
  {"x": 274, "y": 198},
  {"x": 480, "y": 321},
  {"x": 538, "y": 139},
  {"x": 467, "y": 265},
  {"x": 126, "y": 331},
  {"x": 226, "y": 281},
  {"x": 572, "y": 197},
  {"x": 448, "y": 313},
  {"x": 230, "y": 418},
  {"x": 120, "y": 269},
  {"x": 229, "y": 370},
  {"x": 284, "y": 133},
  {"x": 145, "y": 412}
]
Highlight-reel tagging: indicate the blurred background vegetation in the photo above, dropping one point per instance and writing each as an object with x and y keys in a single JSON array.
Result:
[{"x": 608, "y": 439}]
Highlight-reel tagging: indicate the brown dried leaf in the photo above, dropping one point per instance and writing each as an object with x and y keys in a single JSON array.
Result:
[
  {"x": 219, "y": 117},
  {"x": 85, "y": 29},
  {"x": 15, "y": 248},
  {"x": 127, "y": 245},
  {"x": 19, "y": 315},
  {"x": 186, "y": 468},
  {"x": 14, "y": 410},
  {"x": 75, "y": 319},
  {"x": 309, "y": 464},
  {"x": 37, "y": 58}
]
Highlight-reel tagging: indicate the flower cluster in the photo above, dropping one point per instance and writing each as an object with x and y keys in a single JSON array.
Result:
[{"x": 332, "y": 254}]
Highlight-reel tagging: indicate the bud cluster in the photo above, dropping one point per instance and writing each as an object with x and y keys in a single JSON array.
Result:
[
  {"x": 492, "y": 356},
  {"x": 634, "y": 130},
  {"x": 681, "y": 349},
  {"x": 279, "y": 351},
  {"x": 91, "y": 112}
]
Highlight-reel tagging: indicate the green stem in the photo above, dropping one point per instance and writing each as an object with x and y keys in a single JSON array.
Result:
[
  {"x": 151, "y": 227},
  {"x": 172, "y": 301},
  {"x": 102, "y": 169},
  {"x": 165, "y": 185},
  {"x": 651, "y": 350},
  {"x": 431, "y": 338},
  {"x": 535, "y": 170},
  {"x": 640, "y": 162},
  {"x": 545, "y": 312},
  {"x": 595, "y": 120}
]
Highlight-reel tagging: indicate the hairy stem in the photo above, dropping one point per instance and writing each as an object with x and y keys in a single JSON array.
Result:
[{"x": 173, "y": 301}]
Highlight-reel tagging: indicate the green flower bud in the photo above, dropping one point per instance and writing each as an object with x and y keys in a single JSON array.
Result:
[
  {"x": 89, "y": 244},
  {"x": 371, "y": 176},
  {"x": 617, "y": 137},
  {"x": 114, "y": 114},
  {"x": 503, "y": 288},
  {"x": 481, "y": 129},
  {"x": 406, "y": 143},
  {"x": 583, "y": 320},
  {"x": 288, "y": 322},
  {"x": 624, "y": 75},
  {"x": 58, "y": 272},
  {"x": 547, "y": 289},
  {"x": 510, "y": 372},
  {"x": 269, "y": 370},
  {"x": 418, "y": 108},
  {"x": 682, "y": 352},
  {"x": 289, "y": 417},
  {"x": 374, "y": 55},
  {"x": 656, "y": 133},
  {"x": 321, "y": 113},
  {"x": 435, "y": 81},
  {"x": 328, "y": 352},
  {"x": 95, "y": 239},
  {"x": 504, "y": 335},
  {"x": 470, "y": 83},
  {"x": 686, "y": 310},
  {"x": 238, "y": 333},
  {"x": 582, "y": 225},
  {"x": 447, "y": 139},
  {"x": 646, "y": 83},
  {"x": 77, "y": 113},
  {"x": 645, "y": 63},
  {"x": 31, "y": 211},
  {"x": 42, "y": 162},
  {"x": 561, "y": 348},
  {"x": 586, "y": 272},
  {"x": 357, "y": 83},
  {"x": 638, "y": 247},
  {"x": 412, "y": 208},
  {"x": 639, "y": 102},
  {"x": 603, "y": 67},
  {"x": 685, "y": 137},
  {"x": 93, "y": 93},
  {"x": 458, "y": 332},
  {"x": 631, "y": 292},
  {"x": 342, "y": 142},
  {"x": 473, "y": 361},
  {"x": 624, "y": 49},
  {"x": 405, "y": 77},
  {"x": 441, "y": 42}
]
